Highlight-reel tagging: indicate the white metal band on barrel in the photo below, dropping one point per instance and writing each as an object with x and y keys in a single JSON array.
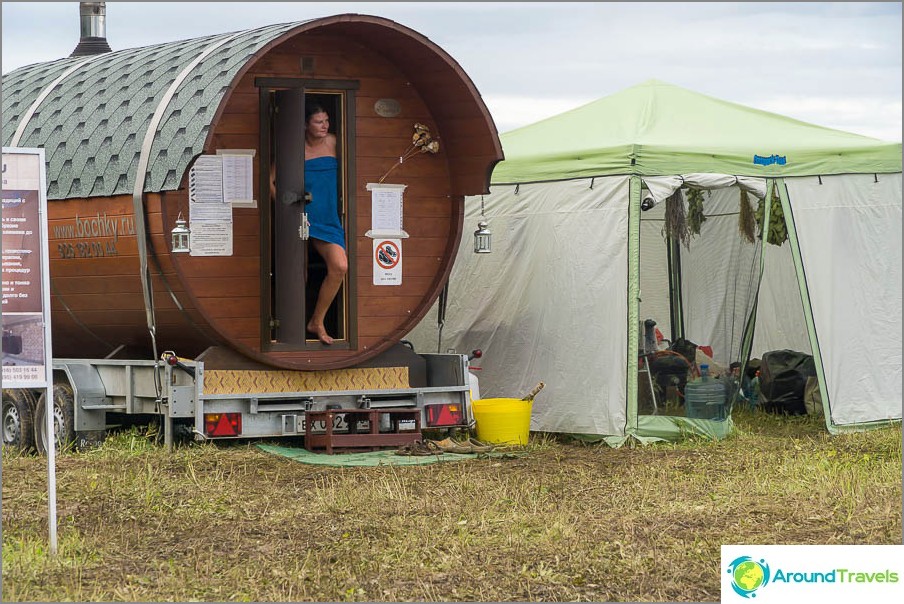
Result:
[
  {"x": 26, "y": 117},
  {"x": 141, "y": 175}
]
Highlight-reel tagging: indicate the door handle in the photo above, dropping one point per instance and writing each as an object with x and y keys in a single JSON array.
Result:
[{"x": 290, "y": 197}]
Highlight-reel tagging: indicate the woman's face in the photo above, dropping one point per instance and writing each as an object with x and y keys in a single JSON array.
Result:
[{"x": 318, "y": 125}]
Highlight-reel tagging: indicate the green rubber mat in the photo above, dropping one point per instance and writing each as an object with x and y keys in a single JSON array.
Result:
[{"x": 372, "y": 458}]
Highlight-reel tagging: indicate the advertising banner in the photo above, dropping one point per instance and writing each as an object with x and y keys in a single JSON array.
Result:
[{"x": 26, "y": 276}]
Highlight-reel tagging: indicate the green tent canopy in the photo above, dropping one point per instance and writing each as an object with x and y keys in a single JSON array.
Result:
[{"x": 656, "y": 128}]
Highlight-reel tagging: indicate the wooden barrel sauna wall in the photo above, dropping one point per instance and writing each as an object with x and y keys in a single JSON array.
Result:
[{"x": 122, "y": 132}]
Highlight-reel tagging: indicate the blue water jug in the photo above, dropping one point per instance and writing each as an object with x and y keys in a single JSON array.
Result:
[{"x": 704, "y": 398}]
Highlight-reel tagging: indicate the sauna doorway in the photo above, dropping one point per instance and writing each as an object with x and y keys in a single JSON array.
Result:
[{"x": 294, "y": 269}]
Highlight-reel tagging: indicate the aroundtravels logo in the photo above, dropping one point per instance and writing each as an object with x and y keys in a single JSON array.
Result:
[
  {"x": 748, "y": 575},
  {"x": 798, "y": 573}
]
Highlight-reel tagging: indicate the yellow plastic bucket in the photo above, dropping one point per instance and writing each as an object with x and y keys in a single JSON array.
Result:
[{"x": 502, "y": 420}]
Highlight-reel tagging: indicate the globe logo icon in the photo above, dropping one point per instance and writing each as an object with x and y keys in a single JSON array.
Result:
[{"x": 748, "y": 575}]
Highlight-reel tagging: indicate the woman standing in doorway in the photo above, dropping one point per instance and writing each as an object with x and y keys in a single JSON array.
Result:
[{"x": 321, "y": 169}]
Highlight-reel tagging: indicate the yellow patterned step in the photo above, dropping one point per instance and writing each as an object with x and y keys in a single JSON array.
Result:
[{"x": 219, "y": 381}]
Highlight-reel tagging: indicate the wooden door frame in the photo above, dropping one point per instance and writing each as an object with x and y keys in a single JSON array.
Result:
[{"x": 346, "y": 89}]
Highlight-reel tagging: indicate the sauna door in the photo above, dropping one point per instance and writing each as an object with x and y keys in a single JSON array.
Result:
[
  {"x": 289, "y": 248},
  {"x": 294, "y": 271}
]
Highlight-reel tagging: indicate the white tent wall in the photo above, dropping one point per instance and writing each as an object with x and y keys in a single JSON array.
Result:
[
  {"x": 780, "y": 320},
  {"x": 849, "y": 233},
  {"x": 543, "y": 304}
]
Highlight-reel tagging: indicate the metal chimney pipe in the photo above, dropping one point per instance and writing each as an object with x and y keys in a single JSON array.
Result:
[
  {"x": 93, "y": 18},
  {"x": 93, "y": 41}
]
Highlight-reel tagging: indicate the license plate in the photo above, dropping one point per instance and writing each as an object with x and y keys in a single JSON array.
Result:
[
  {"x": 339, "y": 425},
  {"x": 406, "y": 424}
]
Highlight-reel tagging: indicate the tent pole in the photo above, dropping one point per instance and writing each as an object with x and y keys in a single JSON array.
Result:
[
  {"x": 634, "y": 196},
  {"x": 676, "y": 312},
  {"x": 805, "y": 299}
]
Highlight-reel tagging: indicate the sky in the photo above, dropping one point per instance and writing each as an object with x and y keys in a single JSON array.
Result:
[{"x": 837, "y": 65}]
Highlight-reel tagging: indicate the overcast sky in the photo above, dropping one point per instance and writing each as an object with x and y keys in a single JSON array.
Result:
[{"x": 832, "y": 64}]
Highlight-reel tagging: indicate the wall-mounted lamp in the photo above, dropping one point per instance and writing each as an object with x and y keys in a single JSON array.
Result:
[
  {"x": 181, "y": 236},
  {"x": 483, "y": 238}
]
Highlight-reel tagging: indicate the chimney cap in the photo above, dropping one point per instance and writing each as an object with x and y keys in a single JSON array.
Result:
[{"x": 93, "y": 40}]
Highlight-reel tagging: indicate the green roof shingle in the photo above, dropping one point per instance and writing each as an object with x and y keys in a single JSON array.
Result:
[{"x": 93, "y": 124}]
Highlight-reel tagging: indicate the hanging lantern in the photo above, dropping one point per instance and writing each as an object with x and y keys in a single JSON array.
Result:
[
  {"x": 181, "y": 235},
  {"x": 482, "y": 236},
  {"x": 482, "y": 239}
]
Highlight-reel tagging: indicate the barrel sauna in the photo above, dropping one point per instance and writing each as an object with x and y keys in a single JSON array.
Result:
[{"x": 126, "y": 132}]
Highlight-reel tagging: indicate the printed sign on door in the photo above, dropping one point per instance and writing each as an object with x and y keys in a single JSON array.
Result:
[{"x": 387, "y": 261}]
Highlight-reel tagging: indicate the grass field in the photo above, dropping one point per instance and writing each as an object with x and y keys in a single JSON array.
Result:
[{"x": 559, "y": 521}]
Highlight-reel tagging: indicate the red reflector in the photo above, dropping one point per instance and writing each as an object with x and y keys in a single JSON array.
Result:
[
  {"x": 450, "y": 414},
  {"x": 222, "y": 424}
]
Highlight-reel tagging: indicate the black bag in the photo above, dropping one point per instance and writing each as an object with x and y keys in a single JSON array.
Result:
[
  {"x": 687, "y": 349},
  {"x": 783, "y": 380},
  {"x": 669, "y": 370}
]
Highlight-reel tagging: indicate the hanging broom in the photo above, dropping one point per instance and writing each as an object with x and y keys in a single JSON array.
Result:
[
  {"x": 746, "y": 219},
  {"x": 676, "y": 219},
  {"x": 777, "y": 231},
  {"x": 695, "y": 215}
]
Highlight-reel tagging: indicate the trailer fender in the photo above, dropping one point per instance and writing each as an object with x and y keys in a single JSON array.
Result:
[{"x": 88, "y": 394}]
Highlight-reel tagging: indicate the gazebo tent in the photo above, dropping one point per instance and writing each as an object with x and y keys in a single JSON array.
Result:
[{"x": 577, "y": 265}]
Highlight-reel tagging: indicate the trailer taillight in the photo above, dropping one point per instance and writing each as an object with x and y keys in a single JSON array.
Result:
[
  {"x": 223, "y": 424},
  {"x": 451, "y": 414}
]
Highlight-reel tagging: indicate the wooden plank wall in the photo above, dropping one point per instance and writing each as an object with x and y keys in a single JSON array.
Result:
[
  {"x": 97, "y": 299},
  {"x": 226, "y": 290}
]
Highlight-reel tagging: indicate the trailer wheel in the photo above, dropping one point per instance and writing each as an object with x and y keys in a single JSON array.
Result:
[
  {"x": 17, "y": 420},
  {"x": 63, "y": 423}
]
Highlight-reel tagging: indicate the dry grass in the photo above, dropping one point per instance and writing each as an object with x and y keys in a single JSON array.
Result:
[{"x": 564, "y": 522}]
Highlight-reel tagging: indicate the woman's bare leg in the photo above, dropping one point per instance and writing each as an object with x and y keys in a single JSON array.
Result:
[{"x": 336, "y": 267}]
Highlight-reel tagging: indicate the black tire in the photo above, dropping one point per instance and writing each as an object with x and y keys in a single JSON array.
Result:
[
  {"x": 63, "y": 419},
  {"x": 18, "y": 425}
]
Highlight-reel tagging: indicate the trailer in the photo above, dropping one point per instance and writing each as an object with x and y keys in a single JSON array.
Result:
[
  {"x": 165, "y": 303},
  {"x": 91, "y": 395}
]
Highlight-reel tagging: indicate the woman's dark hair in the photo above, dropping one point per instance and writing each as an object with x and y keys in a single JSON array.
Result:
[{"x": 311, "y": 109}]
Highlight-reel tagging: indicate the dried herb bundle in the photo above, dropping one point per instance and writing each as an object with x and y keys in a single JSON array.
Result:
[
  {"x": 777, "y": 231},
  {"x": 421, "y": 142},
  {"x": 695, "y": 215},
  {"x": 676, "y": 220},
  {"x": 746, "y": 219}
]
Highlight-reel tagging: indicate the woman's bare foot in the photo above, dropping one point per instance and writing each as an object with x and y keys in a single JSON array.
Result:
[{"x": 320, "y": 332}]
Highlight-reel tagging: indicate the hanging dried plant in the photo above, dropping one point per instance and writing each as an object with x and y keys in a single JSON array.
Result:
[
  {"x": 421, "y": 142},
  {"x": 695, "y": 215},
  {"x": 777, "y": 233},
  {"x": 676, "y": 220},
  {"x": 746, "y": 220}
]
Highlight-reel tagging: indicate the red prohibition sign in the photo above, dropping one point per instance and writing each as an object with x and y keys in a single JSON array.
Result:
[{"x": 388, "y": 255}]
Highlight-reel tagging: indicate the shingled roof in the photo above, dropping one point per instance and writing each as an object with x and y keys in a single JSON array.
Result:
[{"x": 93, "y": 122}]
